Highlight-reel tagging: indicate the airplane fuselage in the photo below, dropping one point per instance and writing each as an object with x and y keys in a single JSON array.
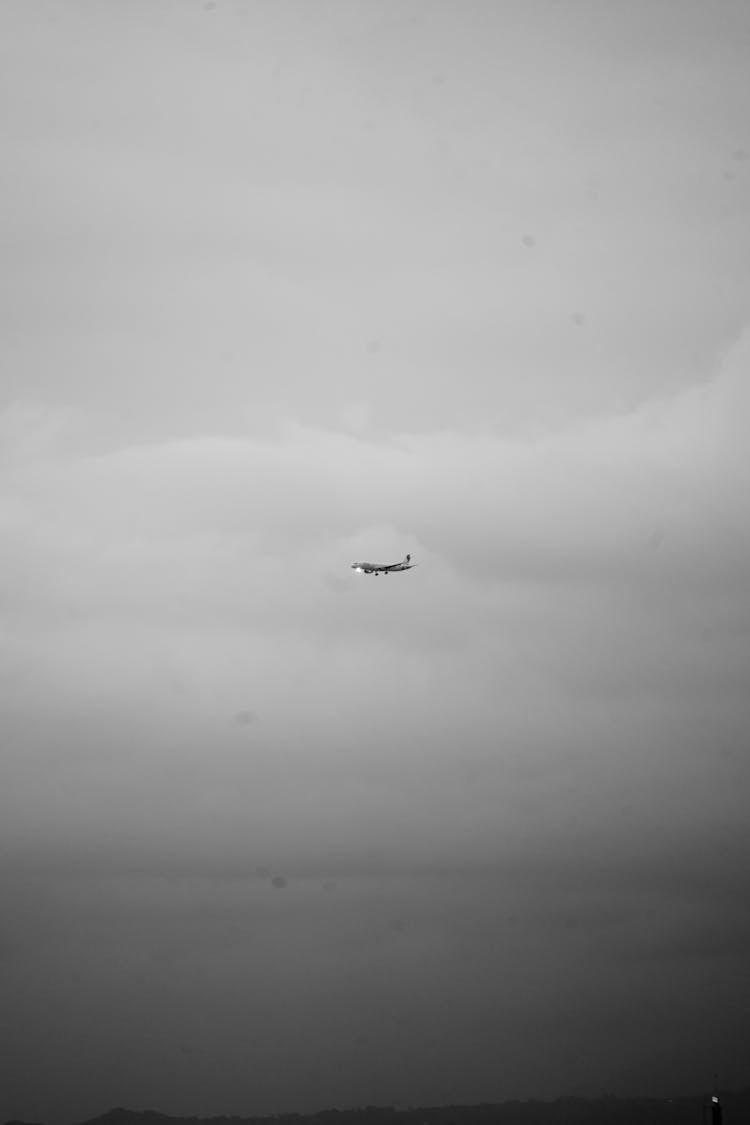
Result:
[{"x": 382, "y": 568}]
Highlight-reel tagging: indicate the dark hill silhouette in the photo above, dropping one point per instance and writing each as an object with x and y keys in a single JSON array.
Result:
[{"x": 683, "y": 1110}]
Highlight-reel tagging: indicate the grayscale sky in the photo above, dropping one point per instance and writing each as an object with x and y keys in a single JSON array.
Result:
[{"x": 288, "y": 284}]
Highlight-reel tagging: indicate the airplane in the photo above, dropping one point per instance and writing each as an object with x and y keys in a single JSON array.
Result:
[{"x": 385, "y": 568}]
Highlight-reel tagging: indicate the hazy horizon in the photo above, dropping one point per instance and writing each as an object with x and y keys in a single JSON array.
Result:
[
  {"x": 291, "y": 284},
  {"x": 543, "y": 1109}
]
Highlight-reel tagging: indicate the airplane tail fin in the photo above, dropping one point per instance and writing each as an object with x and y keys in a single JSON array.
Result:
[{"x": 407, "y": 558}]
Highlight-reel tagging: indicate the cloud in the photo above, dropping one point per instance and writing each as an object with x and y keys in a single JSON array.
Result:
[
  {"x": 579, "y": 599},
  {"x": 525, "y": 544},
  {"x": 523, "y": 708},
  {"x": 282, "y": 317},
  {"x": 563, "y": 506}
]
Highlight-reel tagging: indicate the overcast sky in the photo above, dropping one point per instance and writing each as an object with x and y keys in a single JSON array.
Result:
[{"x": 289, "y": 284}]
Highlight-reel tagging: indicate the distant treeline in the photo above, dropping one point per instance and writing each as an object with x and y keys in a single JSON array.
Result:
[{"x": 563, "y": 1111}]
